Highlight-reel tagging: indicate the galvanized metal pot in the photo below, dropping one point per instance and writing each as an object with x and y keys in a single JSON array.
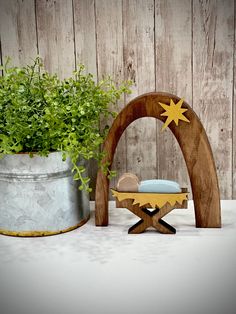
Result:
[{"x": 38, "y": 196}]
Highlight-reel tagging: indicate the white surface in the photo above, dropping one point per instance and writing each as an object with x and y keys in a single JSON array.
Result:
[{"x": 105, "y": 270}]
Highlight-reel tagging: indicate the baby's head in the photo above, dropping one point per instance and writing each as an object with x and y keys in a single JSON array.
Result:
[{"x": 128, "y": 182}]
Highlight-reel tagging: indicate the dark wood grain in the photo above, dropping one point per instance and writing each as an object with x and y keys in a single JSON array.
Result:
[
  {"x": 195, "y": 147},
  {"x": 149, "y": 218}
]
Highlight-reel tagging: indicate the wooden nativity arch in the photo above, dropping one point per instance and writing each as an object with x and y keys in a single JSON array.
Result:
[{"x": 195, "y": 147}]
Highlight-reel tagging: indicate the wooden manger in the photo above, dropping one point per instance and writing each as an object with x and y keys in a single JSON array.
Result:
[
  {"x": 196, "y": 149},
  {"x": 139, "y": 204}
]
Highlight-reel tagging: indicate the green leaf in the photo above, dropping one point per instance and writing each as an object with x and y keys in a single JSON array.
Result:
[{"x": 41, "y": 113}]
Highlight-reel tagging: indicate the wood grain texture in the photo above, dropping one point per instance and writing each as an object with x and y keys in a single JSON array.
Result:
[
  {"x": 85, "y": 34},
  {"x": 56, "y": 35},
  {"x": 117, "y": 38},
  {"x": 212, "y": 80},
  {"x": 234, "y": 111},
  {"x": 85, "y": 48},
  {"x": 1, "y": 54},
  {"x": 128, "y": 182},
  {"x": 174, "y": 75},
  {"x": 149, "y": 218},
  {"x": 196, "y": 149},
  {"x": 110, "y": 61},
  {"x": 139, "y": 66},
  {"x": 17, "y": 17}
]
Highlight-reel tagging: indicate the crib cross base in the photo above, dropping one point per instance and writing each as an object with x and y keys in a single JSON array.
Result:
[{"x": 149, "y": 218}]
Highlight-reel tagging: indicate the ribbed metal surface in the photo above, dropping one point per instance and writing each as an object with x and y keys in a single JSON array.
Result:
[{"x": 39, "y": 194}]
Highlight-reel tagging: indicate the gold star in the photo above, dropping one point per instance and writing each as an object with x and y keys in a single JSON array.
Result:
[{"x": 173, "y": 112}]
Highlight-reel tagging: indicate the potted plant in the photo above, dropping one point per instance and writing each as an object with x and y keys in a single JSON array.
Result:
[{"x": 49, "y": 129}]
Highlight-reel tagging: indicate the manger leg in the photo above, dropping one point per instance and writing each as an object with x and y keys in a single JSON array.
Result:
[
  {"x": 139, "y": 227},
  {"x": 163, "y": 227}
]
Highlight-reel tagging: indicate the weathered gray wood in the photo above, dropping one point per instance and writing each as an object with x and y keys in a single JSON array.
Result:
[
  {"x": 56, "y": 35},
  {"x": 85, "y": 35},
  {"x": 0, "y": 54},
  {"x": 139, "y": 66},
  {"x": 234, "y": 110},
  {"x": 18, "y": 31},
  {"x": 85, "y": 48},
  {"x": 110, "y": 61},
  {"x": 213, "y": 31},
  {"x": 173, "y": 75},
  {"x": 117, "y": 38}
]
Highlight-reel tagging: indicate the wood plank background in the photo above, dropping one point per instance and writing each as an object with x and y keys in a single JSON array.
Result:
[{"x": 185, "y": 47}]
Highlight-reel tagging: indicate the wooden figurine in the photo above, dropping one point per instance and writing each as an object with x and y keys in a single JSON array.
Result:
[
  {"x": 128, "y": 182},
  {"x": 195, "y": 147},
  {"x": 154, "y": 196}
]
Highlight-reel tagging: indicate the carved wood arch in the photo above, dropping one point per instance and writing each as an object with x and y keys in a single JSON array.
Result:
[{"x": 195, "y": 147}]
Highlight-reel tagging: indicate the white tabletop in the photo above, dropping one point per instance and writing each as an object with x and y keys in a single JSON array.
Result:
[{"x": 106, "y": 270}]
